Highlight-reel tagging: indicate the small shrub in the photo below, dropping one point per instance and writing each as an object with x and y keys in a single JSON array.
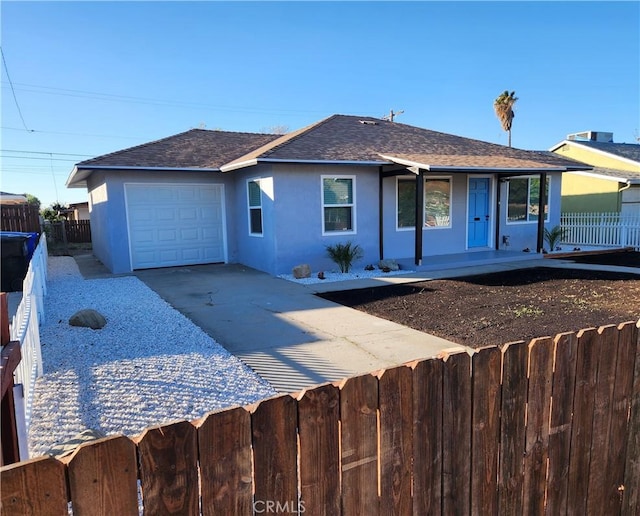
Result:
[
  {"x": 553, "y": 236},
  {"x": 344, "y": 255}
]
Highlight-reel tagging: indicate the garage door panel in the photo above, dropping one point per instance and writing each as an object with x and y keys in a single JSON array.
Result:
[{"x": 175, "y": 225}]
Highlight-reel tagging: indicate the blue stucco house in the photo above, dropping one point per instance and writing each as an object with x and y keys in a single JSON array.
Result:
[{"x": 275, "y": 201}]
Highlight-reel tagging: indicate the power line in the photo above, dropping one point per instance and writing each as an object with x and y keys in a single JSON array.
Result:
[
  {"x": 47, "y": 153},
  {"x": 146, "y": 100},
  {"x": 6, "y": 69},
  {"x": 74, "y": 134},
  {"x": 36, "y": 157}
]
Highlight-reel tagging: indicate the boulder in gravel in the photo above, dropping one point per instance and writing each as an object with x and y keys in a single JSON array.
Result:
[
  {"x": 301, "y": 271},
  {"x": 88, "y": 318},
  {"x": 392, "y": 265}
]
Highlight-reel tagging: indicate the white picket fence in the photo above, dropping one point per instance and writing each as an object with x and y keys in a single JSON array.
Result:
[
  {"x": 605, "y": 229},
  {"x": 25, "y": 327}
]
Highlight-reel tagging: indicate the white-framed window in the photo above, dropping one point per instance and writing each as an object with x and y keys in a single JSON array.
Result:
[
  {"x": 523, "y": 200},
  {"x": 254, "y": 198},
  {"x": 437, "y": 203},
  {"x": 338, "y": 204}
]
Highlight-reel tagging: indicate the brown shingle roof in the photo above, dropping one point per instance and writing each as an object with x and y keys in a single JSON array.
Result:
[
  {"x": 352, "y": 138},
  {"x": 196, "y": 148},
  {"x": 339, "y": 138}
]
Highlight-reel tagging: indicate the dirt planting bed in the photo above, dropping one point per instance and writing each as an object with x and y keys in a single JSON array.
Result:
[{"x": 504, "y": 307}]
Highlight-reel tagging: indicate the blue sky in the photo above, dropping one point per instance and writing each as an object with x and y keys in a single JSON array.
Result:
[{"x": 96, "y": 77}]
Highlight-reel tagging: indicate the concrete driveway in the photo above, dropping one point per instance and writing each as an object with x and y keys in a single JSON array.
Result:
[{"x": 284, "y": 332}]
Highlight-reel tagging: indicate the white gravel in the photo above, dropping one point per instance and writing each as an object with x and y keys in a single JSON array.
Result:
[
  {"x": 333, "y": 276},
  {"x": 149, "y": 365}
]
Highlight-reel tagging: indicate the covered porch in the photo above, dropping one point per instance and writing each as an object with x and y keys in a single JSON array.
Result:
[{"x": 468, "y": 259}]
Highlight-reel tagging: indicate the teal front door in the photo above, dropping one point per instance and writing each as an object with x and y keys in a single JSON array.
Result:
[{"x": 478, "y": 218}]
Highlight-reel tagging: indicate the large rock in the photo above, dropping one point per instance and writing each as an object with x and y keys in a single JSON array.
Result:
[
  {"x": 301, "y": 271},
  {"x": 88, "y": 318},
  {"x": 391, "y": 265}
]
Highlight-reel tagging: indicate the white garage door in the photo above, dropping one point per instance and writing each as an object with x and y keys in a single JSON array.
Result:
[{"x": 175, "y": 224}]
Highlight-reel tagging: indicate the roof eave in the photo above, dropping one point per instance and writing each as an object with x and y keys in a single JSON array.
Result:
[
  {"x": 255, "y": 161},
  {"x": 79, "y": 174},
  {"x": 443, "y": 168}
]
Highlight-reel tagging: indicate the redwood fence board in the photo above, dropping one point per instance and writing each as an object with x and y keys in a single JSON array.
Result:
[
  {"x": 549, "y": 427},
  {"x": 487, "y": 365},
  {"x": 103, "y": 478},
  {"x": 224, "y": 444},
  {"x": 512, "y": 428},
  {"x": 358, "y": 412},
  {"x": 537, "y": 429},
  {"x": 274, "y": 424},
  {"x": 37, "y": 486},
  {"x": 396, "y": 443},
  {"x": 631, "y": 494},
  {"x": 456, "y": 440},
  {"x": 602, "y": 419},
  {"x": 427, "y": 437},
  {"x": 621, "y": 403},
  {"x": 318, "y": 420},
  {"x": 582, "y": 428},
  {"x": 168, "y": 469},
  {"x": 561, "y": 420}
]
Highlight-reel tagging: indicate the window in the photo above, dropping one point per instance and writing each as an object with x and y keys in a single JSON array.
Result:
[
  {"x": 406, "y": 203},
  {"x": 437, "y": 203},
  {"x": 254, "y": 193},
  {"x": 338, "y": 204},
  {"x": 524, "y": 199}
]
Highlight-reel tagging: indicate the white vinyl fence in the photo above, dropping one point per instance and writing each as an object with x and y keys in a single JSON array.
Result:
[
  {"x": 606, "y": 229},
  {"x": 25, "y": 327}
]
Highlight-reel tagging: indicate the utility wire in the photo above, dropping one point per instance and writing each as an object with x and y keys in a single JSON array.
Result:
[
  {"x": 50, "y": 158},
  {"x": 74, "y": 134},
  {"x": 47, "y": 153},
  {"x": 6, "y": 69},
  {"x": 48, "y": 90}
]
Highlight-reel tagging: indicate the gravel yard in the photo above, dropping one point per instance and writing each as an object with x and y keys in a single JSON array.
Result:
[{"x": 149, "y": 365}]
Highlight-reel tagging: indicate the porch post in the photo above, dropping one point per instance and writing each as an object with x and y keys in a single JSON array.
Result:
[
  {"x": 498, "y": 196},
  {"x": 381, "y": 215},
  {"x": 419, "y": 215},
  {"x": 541, "y": 206}
]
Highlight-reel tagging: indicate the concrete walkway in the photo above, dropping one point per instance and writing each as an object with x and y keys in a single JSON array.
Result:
[
  {"x": 291, "y": 337},
  {"x": 286, "y": 334}
]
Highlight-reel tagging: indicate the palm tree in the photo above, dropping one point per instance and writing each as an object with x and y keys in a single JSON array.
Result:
[{"x": 503, "y": 107}]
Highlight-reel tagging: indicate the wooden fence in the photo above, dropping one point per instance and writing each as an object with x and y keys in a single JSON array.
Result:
[
  {"x": 70, "y": 231},
  {"x": 551, "y": 426},
  {"x": 21, "y": 218},
  {"x": 610, "y": 229}
]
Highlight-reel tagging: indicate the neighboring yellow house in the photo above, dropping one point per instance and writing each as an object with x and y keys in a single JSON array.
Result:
[{"x": 614, "y": 183}]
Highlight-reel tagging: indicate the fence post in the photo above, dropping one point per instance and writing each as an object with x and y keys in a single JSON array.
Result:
[{"x": 10, "y": 360}]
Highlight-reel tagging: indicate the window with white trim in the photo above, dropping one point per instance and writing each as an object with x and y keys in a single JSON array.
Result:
[
  {"x": 338, "y": 204},
  {"x": 437, "y": 203},
  {"x": 254, "y": 195},
  {"x": 523, "y": 204}
]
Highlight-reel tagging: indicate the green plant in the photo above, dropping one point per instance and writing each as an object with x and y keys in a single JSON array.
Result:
[
  {"x": 553, "y": 236},
  {"x": 344, "y": 255}
]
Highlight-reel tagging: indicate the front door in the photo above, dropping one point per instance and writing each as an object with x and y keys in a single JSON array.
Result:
[{"x": 478, "y": 212}]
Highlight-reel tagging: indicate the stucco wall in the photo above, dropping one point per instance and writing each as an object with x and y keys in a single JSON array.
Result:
[
  {"x": 399, "y": 243},
  {"x": 584, "y": 194},
  {"x": 300, "y": 232},
  {"x": 109, "y": 215}
]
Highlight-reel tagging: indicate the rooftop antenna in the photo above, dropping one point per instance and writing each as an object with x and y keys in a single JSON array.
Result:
[{"x": 392, "y": 115}]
